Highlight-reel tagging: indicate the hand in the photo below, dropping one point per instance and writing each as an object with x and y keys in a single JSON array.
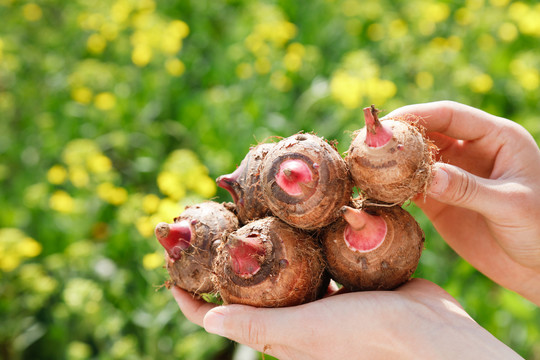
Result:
[
  {"x": 418, "y": 320},
  {"x": 485, "y": 196}
]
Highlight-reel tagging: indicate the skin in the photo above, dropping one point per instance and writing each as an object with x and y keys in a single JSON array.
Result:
[{"x": 488, "y": 184}]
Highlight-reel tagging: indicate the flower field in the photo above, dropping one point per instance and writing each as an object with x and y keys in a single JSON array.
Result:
[{"x": 115, "y": 115}]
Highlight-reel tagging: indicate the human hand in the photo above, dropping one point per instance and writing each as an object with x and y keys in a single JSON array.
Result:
[
  {"x": 418, "y": 320},
  {"x": 485, "y": 196}
]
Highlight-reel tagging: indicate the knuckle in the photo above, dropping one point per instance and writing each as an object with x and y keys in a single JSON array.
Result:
[{"x": 464, "y": 189}]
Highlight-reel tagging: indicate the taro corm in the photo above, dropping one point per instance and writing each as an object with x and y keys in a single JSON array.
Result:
[
  {"x": 390, "y": 160},
  {"x": 305, "y": 181},
  {"x": 191, "y": 242},
  {"x": 373, "y": 248},
  {"x": 268, "y": 263},
  {"x": 244, "y": 185}
]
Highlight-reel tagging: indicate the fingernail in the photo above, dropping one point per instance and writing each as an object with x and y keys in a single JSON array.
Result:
[
  {"x": 213, "y": 322},
  {"x": 440, "y": 181}
]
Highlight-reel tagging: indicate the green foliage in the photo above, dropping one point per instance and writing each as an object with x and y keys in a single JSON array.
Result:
[{"x": 117, "y": 114}]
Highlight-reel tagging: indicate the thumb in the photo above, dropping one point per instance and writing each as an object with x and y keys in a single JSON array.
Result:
[
  {"x": 247, "y": 325},
  {"x": 454, "y": 186}
]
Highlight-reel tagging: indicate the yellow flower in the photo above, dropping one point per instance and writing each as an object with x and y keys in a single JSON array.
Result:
[
  {"x": 481, "y": 83},
  {"x": 347, "y": 89},
  {"x": 105, "y": 101},
  {"x": 96, "y": 44},
  {"x": 375, "y": 32},
  {"x": 175, "y": 67},
  {"x": 508, "y": 32},
  {"x": 424, "y": 80},
  {"x": 78, "y": 150},
  {"x": 57, "y": 175},
  {"x": 145, "y": 226},
  {"x": 398, "y": 28},
  {"x": 263, "y": 65},
  {"x": 529, "y": 79},
  {"x": 62, "y": 202},
  {"x": 206, "y": 187},
  {"x": 141, "y": 55},
  {"x": 178, "y": 28},
  {"x": 150, "y": 203},
  {"x": 292, "y": 61},
  {"x": 78, "y": 176},
  {"x": 171, "y": 185},
  {"x": 82, "y": 95},
  {"x": 98, "y": 163},
  {"x": 152, "y": 261},
  {"x": 244, "y": 70},
  {"x": 28, "y": 247},
  {"x": 32, "y": 12},
  {"x": 112, "y": 194},
  {"x": 280, "y": 81}
]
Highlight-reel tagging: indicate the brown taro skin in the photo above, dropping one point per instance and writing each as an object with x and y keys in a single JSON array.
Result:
[
  {"x": 397, "y": 170},
  {"x": 387, "y": 266},
  {"x": 289, "y": 270},
  {"x": 211, "y": 223},
  {"x": 245, "y": 187},
  {"x": 325, "y": 184}
]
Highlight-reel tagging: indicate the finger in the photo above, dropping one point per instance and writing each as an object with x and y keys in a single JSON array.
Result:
[
  {"x": 420, "y": 288},
  {"x": 452, "y": 185},
  {"x": 256, "y": 327},
  {"x": 452, "y": 119},
  {"x": 193, "y": 309}
]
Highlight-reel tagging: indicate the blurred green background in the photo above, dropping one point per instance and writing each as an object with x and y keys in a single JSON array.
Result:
[{"x": 116, "y": 114}]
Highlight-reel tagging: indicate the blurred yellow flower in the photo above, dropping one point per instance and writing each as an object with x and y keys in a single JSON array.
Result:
[
  {"x": 205, "y": 186},
  {"x": 375, "y": 32},
  {"x": 79, "y": 350},
  {"x": 464, "y": 16},
  {"x": 398, "y": 29},
  {"x": 263, "y": 65},
  {"x": 145, "y": 226},
  {"x": 481, "y": 83},
  {"x": 105, "y": 101},
  {"x": 280, "y": 81},
  {"x": 96, "y": 44},
  {"x": 171, "y": 184},
  {"x": 175, "y": 67},
  {"x": 486, "y": 42},
  {"x": 152, "y": 261},
  {"x": 435, "y": 11},
  {"x": 10, "y": 263},
  {"x": 292, "y": 61},
  {"x": 98, "y": 163},
  {"x": 170, "y": 44},
  {"x": 109, "y": 31},
  {"x": 57, "y": 174},
  {"x": 62, "y": 202},
  {"x": 168, "y": 209},
  {"x": 178, "y": 28},
  {"x": 347, "y": 89},
  {"x": 28, "y": 247},
  {"x": 508, "y": 32},
  {"x": 150, "y": 203},
  {"x": 244, "y": 70},
  {"x": 499, "y": 3},
  {"x": 424, "y": 80},
  {"x": 120, "y": 11},
  {"x": 78, "y": 150},
  {"x": 112, "y": 194},
  {"x": 32, "y": 12},
  {"x": 529, "y": 79},
  {"x": 82, "y": 95},
  {"x": 78, "y": 176},
  {"x": 141, "y": 55}
]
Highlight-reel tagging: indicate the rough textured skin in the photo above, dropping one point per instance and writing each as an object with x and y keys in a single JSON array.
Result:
[
  {"x": 211, "y": 223},
  {"x": 329, "y": 189},
  {"x": 292, "y": 270},
  {"x": 386, "y": 267},
  {"x": 247, "y": 187},
  {"x": 396, "y": 171}
]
